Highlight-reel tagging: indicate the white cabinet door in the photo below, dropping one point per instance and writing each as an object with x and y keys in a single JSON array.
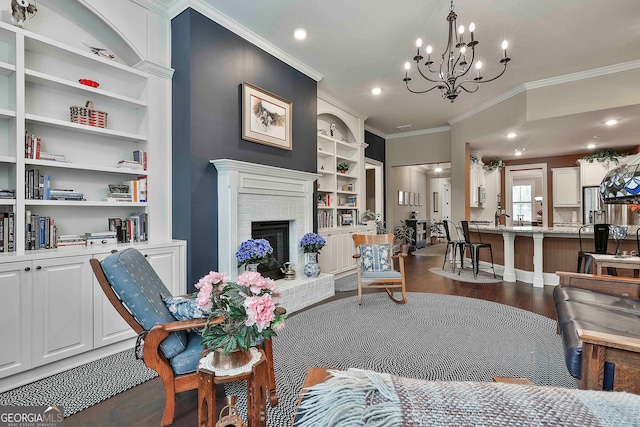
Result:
[
  {"x": 346, "y": 251},
  {"x": 328, "y": 258},
  {"x": 108, "y": 326},
  {"x": 62, "y": 308},
  {"x": 566, "y": 187},
  {"x": 591, "y": 174},
  {"x": 166, "y": 262},
  {"x": 15, "y": 317}
]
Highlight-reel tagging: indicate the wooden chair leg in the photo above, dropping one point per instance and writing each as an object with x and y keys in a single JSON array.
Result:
[
  {"x": 169, "y": 401},
  {"x": 267, "y": 346}
]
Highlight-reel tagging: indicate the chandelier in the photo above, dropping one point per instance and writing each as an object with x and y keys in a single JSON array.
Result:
[{"x": 456, "y": 64}]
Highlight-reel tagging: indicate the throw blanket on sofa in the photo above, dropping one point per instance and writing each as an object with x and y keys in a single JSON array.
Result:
[{"x": 365, "y": 398}]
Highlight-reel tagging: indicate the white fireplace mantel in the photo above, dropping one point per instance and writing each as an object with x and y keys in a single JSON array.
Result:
[{"x": 250, "y": 192}]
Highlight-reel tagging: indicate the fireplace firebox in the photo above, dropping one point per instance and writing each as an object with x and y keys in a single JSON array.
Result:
[{"x": 277, "y": 233}]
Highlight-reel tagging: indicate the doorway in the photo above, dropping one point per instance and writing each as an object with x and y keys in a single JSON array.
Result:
[
  {"x": 530, "y": 201},
  {"x": 374, "y": 199}
]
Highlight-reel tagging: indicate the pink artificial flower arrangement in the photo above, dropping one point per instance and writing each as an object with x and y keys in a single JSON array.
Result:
[{"x": 247, "y": 305}]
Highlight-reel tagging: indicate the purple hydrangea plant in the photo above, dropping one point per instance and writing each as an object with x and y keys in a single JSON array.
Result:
[
  {"x": 312, "y": 243},
  {"x": 254, "y": 252}
]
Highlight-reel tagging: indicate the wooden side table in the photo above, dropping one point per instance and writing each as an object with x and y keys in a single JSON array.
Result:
[{"x": 256, "y": 394}]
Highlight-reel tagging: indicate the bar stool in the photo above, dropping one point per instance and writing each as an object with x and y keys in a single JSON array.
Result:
[
  {"x": 475, "y": 249},
  {"x": 453, "y": 244}
]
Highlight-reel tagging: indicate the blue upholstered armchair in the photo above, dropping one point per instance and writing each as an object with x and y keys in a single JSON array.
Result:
[{"x": 170, "y": 348}]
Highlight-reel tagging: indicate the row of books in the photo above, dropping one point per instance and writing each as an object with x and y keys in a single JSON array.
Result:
[
  {"x": 142, "y": 157},
  {"x": 324, "y": 199},
  {"x": 31, "y": 146},
  {"x": 7, "y": 232},
  {"x": 40, "y": 232},
  {"x": 325, "y": 219},
  {"x": 134, "y": 228},
  {"x": 136, "y": 192},
  {"x": 34, "y": 184}
]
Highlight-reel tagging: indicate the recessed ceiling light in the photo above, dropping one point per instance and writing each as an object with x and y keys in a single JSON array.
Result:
[
  {"x": 511, "y": 135},
  {"x": 300, "y": 34},
  {"x": 591, "y": 146},
  {"x": 518, "y": 152},
  {"x": 376, "y": 91},
  {"x": 611, "y": 122}
]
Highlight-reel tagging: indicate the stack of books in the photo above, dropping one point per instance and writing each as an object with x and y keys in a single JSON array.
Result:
[
  {"x": 7, "y": 194},
  {"x": 61, "y": 194},
  {"x": 31, "y": 146},
  {"x": 141, "y": 157},
  {"x": 40, "y": 232},
  {"x": 118, "y": 197},
  {"x": 130, "y": 164},
  {"x": 54, "y": 157},
  {"x": 7, "y": 232},
  {"x": 70, "y": 241}
]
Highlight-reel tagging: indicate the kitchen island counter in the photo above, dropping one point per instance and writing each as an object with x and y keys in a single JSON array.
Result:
[{"x": 533, "y": 254}]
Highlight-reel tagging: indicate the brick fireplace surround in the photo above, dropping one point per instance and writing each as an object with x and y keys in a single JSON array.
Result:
[{"x": 249, "y": 192}]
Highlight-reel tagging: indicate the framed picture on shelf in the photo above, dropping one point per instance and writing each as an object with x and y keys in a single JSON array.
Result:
[
  {"x": 411, "y": 199},
  {"x": 400, "y": 198},
  {"x": 436, "y": 201},
  {"x": 406, "y": 198},
  {"x": 266, "y": 118},
  {"x": 420, "y": 199}
]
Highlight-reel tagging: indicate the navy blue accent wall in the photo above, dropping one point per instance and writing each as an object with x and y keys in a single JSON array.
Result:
[
  {"x": 210, "y": 65},
  {"x": 376, "y": 147}
]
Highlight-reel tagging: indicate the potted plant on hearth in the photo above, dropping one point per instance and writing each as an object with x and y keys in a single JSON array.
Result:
[
  {"x": 343, "y": 167},
  {"x": 403, "y": 234}
]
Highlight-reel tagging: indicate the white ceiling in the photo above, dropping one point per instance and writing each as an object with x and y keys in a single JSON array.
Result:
[{"x": 358, "y": 44}]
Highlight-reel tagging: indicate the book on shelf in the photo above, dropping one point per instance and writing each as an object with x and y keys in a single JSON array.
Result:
[
  {"x": 324, "y": 199},
  {"x": 54, "y": 157},
  {"x": 346, "y": 219},
  {"x": 64, "y": 194},
  {"x": 7, "y": 232},
  {"x": 40, "y": 232},
  {"x": 133, "y": 228},
  {"x": 325, "y": 219},
  {"x": 31, "y": 146},
  {"x": 7, "y": 193},
  {"x": 130, "y": 164},
  {"x": 141, "y": 157}
]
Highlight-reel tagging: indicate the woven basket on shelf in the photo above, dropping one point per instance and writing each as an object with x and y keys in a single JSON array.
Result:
[{"x": 88, "y": 116}]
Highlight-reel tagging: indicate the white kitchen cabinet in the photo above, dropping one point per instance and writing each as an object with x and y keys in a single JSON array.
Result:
[
  {"x": 592, "y": 173},
  {"x": 566, "y": 187},
  {"x": 476, "y": 181},
  {"x": 15, "y": 316},
  {"x": 62, "y": 308}
]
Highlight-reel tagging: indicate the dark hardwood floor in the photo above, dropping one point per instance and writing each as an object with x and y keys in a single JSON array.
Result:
[{"x": 143, "y": 405}]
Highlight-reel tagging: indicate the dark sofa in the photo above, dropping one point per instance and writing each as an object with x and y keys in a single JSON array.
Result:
[{"x": 599, "y": 320}]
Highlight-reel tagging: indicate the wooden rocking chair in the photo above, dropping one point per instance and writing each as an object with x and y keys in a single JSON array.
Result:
[{"x": 375, "y": 265}]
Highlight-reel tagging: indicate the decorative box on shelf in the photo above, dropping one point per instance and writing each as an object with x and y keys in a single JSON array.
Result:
[{"x": 88, "y": 116}]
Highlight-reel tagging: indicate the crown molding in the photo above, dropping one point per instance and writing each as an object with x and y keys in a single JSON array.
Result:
[
  {"x": 154, "y": 6},
  {"x": 581, "y": 75},
  {"x": 495, "y": 101},
  {"x": 419, "y": 132},
  {"x": 177, "y": 6},
  {"x": 375, "y": 131},
  {"x": 537, "y": 84},
  {"x": 334, "y": 101},
  {"x": 155, "y": 69}
]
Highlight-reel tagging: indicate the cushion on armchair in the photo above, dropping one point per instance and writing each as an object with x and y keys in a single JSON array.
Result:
[
  {"x": 376, "y": 258},
  {"x": 141, "y": 292}
]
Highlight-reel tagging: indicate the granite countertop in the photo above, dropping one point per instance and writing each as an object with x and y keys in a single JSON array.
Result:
[{"x": 564, "y": 229}]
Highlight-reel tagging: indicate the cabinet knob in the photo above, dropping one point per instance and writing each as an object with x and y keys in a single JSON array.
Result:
[
  {"x": 39, "y": 267},
  {"x": 27, "y": 269}
]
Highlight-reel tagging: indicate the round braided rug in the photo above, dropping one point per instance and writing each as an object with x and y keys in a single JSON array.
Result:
[{"x": 433, "y": 337}]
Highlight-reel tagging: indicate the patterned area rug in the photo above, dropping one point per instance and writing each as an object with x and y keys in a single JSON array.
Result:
[
  {"x": 435, "y": 337},
  {"x": 84, "y": 386},
  {"x": 466, "y": 275},
  {"x": 347, "y": 283}
]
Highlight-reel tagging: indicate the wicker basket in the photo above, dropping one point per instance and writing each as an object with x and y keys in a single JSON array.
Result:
[{"x": 88, "y": 116}]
